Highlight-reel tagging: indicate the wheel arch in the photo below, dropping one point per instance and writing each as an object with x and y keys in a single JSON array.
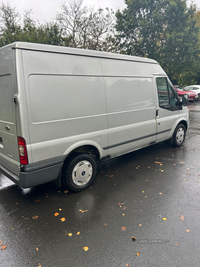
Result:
[
  {"x": 84, "y": 147},
  {"x": 180, "y": 121}
]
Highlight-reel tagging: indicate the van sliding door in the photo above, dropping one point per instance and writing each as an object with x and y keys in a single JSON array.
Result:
[{"x": 131, "y": 113}]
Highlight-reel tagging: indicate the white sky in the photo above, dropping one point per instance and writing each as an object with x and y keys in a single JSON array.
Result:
[{"x": 45, "y": 10}]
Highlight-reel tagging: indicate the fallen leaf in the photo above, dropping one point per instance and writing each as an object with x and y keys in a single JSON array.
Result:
[
  {"x": 35, "y": 217},
  {"x": 3, "y": 247},
  {"x": 164, "y": 219},
  {"x": 138, "y": 253},
  {"x": 60, "y": 209},
  {"x": 56, "y": 214},
  {"x": 70, "y": 234},
  {"x": 134, "y": 238},
  {"x": 123, "y": 214},
  {"x": 111, "y": 175},
  {"x": 82, "y": 211},
  {"x": 160, "y": 193},
  {"x": 182, "y": 218},
  {"x": 140, "y": 224},
  {"x": 123, "y": 228},
  {"x": 127, "y": 265},
  {"x": 78, "y": 233},
  {"x": 85, "y": 248},
  {"x": 157, "y": 162},
  {"x": 66, "y": 191},
  {"x": 37, "y": 249},
  {"x": 105, "y": 224},
  {"x": 124, "y": 208},
  {"x": 188, "y": 173},
  {"x": 181, "y": 162},
  {"x": 143, "y": 192},
  {"x": 176, "y": 244},
  {"x": 37, "y": 200},
  {"x": 62, "y": 219},
  {"x": 187, "y": 230}
]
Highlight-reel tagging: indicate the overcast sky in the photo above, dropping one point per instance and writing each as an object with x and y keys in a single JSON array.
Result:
[{"x": 45, "y": 10}]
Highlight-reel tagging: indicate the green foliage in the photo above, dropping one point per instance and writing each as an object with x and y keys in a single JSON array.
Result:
[
  {"x": 11, "y": 29},
  {"x": 164, "y": 30}
]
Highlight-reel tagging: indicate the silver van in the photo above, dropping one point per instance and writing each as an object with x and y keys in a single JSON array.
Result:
[{"x": 64, "y": 109}]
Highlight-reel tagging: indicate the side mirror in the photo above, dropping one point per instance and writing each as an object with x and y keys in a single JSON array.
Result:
[{"x": 185, "y": 100}]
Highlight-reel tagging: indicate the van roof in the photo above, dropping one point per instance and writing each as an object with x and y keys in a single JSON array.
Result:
[{"x": 77, "y": 51}]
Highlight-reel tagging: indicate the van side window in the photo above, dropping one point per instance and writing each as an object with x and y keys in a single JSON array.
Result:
[{"x": 166, "y": 94}]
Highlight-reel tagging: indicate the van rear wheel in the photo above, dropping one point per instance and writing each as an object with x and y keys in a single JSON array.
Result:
[
  {"x": 80, "y": 172},
  {"x": 179, "y": 135}
]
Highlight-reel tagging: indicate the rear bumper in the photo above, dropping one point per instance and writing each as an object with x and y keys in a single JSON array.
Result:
[{"x": 32, "y": 175}]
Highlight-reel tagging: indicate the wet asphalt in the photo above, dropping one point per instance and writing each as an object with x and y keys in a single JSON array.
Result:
[{"x": 142, "y": 210}]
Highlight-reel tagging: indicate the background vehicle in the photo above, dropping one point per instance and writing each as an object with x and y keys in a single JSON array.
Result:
[
  {"x": 191, "y": 95},
  {"x": 194, "y": 88}
]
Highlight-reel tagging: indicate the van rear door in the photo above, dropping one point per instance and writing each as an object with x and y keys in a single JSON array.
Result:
[{"x": 9, "y": 155}]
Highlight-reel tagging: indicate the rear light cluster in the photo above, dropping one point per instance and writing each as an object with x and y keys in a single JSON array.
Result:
[{"x": 22, "y": 151}]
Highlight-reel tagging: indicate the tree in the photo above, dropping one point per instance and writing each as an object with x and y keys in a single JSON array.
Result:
[
  {"x": 9, "y": 24},
  {"x": 164, "y": 30},
  {"x": 13, "y": 28},
  {"x": 85, "y": 28}
]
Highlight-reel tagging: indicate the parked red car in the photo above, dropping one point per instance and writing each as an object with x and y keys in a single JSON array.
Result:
[{"x": 191, "y": 95}]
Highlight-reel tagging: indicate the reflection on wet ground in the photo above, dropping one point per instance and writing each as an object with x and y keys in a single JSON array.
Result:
[{"x": 49, "y": 227}]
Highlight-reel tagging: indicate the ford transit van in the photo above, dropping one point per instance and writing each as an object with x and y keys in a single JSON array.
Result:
[{"x": 64, "y": 109}]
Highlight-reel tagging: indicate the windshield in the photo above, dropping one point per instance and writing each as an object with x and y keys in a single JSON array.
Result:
[{"x": 188, "y": 88}]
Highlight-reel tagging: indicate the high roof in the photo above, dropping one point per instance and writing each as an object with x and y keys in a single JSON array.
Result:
[{"x": 77, "y": 51}]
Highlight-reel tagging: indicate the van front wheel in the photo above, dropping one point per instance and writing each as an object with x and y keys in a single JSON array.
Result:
[
  {"x": 80, "y": 172},
  {"x": 179, "y": 135}
]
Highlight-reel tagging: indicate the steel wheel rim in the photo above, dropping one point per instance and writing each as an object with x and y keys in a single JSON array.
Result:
[
  {"x": 180, "y": 135},
  {"x": 82, "y": 172}
]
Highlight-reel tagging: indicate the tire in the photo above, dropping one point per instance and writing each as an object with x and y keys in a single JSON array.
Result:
[
  {"x": 179, "y": 135},
  {"x": 80, "y": 172}
]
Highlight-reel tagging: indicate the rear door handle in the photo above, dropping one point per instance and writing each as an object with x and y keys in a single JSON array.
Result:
[{"x": 157, "y": 116}]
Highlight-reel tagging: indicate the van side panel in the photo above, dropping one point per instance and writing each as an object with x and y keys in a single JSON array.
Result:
[
  {"x": 131, "y": 105},
  {"x": 66, "y": 103}
]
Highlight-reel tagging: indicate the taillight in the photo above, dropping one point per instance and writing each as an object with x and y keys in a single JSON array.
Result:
[{"x": 22, "y": 151}]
